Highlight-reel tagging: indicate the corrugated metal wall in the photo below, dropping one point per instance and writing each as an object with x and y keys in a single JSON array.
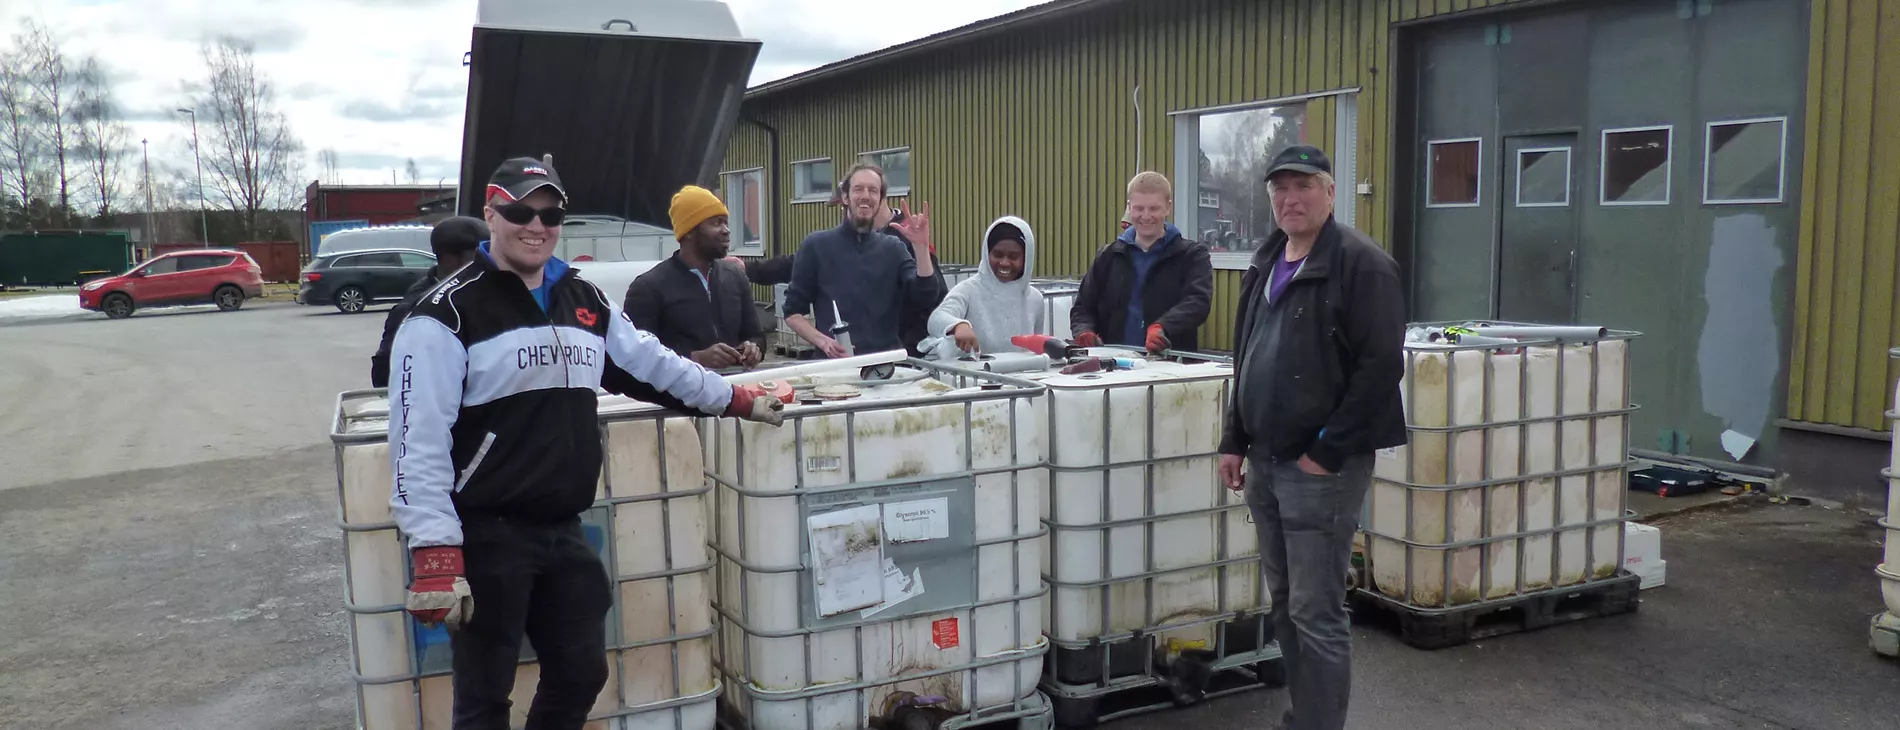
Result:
[
  {"x": 1850, "y": 217},
  {"x": 1040, "y": 121}
]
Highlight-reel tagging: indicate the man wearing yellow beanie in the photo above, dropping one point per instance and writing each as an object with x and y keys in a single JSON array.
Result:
[{"x": 699, "y": 305}]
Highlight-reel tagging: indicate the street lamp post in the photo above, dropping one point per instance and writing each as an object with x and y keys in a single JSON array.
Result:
[
  {"x": 151, "y": 232},
  {"x": 204, "y": 222}
]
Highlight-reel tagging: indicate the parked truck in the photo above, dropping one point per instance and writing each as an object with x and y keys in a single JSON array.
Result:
[{"x": 630, "y": 100}]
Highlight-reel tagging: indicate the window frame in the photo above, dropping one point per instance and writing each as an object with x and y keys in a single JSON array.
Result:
[
  {"x": 1603, "y": 167},
  {"x": 893, "y": 191},
  {"x": 1344, "y": 153},
  {"x": 800, "y": 167},
  {"x": 1477, "y": 200},
  {"x": 1570, "y": 158},
  {"x": 740, "y": 247},
  {"x": 1781, "y": 173}
]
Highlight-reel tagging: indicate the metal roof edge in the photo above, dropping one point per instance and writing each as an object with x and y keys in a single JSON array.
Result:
[{"x": 981, "y": 28}]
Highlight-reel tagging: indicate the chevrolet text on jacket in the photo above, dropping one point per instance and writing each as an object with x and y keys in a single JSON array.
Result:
[
  {"x": 493, "y": 408},
  {"x": 1330, "y": 389}
]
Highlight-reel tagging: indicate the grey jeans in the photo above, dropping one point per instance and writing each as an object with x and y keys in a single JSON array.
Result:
[{"x": 1305, "y": 524}]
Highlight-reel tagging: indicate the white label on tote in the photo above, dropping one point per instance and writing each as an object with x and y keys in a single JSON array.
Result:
[
  {"x": 927, "y": 519},
  {"x": 824, "y": 463}
]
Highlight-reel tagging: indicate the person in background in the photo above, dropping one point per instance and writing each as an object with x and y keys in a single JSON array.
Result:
[
  {"x": 453, "y": 241},
  {"x": 1151, "y": 287},
  {"x": 868, "y": 275},
  {"x": 983, "y": 312},
  {"x": 495, "y": 451},
  {"x": 913, "y": 324},
  {"x": 1318, "y": 356},
  {"x": 698, "y": 304}
]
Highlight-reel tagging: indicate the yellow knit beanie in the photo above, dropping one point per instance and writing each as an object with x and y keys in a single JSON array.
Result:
[{"x": 692, "y": 205}]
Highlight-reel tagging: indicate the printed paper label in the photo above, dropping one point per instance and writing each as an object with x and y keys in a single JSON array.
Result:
[{"x": 927, "y": 519}]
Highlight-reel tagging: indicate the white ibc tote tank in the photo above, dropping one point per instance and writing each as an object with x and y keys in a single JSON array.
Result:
[
  {"x": 878, "y": 554},
  {"x": 649, "y": 524},
  {"x": 1889, "y": 568},
  {"x": 1513, "y": 480}
]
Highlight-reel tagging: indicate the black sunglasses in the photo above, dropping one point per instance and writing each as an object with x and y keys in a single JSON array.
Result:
[{"x": 520, "y": 213}]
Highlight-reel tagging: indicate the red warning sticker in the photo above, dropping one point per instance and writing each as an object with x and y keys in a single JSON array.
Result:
[{"x": 943, "y": 633}]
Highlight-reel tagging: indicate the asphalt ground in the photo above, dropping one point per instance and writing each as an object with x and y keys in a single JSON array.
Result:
[{"x": 169, "y": 558}]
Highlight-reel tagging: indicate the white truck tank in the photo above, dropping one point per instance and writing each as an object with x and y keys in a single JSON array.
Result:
[
  {"x": 1513, "y": 479},
  {"x": 915, "y": 506},
  {"x": 649, "y": 524}
]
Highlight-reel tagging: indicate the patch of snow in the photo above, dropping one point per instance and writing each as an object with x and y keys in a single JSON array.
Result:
[{"x": 41, "y": 306}]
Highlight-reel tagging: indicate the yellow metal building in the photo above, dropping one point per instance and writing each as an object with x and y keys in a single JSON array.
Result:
[{"x": 1730, "y": 170}]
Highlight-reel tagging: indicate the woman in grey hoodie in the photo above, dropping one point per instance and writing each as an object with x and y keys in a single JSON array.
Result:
[{"x": 982, "y": 312}]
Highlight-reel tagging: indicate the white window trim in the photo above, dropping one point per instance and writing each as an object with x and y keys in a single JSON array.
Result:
[
  {"x": 1478, "y": 200},
  {"x": 1204, "y": 196},
  {"x": 1781, "y": 174},
  {"x": 813, "y": 198},
  {"x": 1603, "y": 168},
  {"x": 1569, "y": 156},
  {"x": 894, "y": 192},
  {"x": 741, "y": 248}
]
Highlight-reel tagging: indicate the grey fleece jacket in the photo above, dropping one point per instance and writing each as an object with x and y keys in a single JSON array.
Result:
[{"x": 997, "y": 310}]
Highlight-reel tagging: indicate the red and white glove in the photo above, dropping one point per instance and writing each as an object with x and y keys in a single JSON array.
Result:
[
  {"x": 1088, "y": 339},
  {"x": 1157, "y": 339},
  {"x": 753, "y": 403},
  {"x": 439, "y": 594}
]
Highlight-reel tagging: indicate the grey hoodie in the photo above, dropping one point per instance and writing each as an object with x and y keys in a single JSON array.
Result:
[{"x": 996, "y": 309}]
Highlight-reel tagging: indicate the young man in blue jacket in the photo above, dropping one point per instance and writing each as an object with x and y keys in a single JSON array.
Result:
[
  {"x": 1151, "y": 287},
  {"x": 495, "y": 450}
]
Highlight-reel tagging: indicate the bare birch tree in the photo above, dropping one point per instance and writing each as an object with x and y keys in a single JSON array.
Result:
[
  {"x": 330, "y": 162},
  {"x": 52, "y": 85},
  {"x": 102, "y": 136},
  {"x": 19, "y": 136},
  {"x": 251, "y": 155}
]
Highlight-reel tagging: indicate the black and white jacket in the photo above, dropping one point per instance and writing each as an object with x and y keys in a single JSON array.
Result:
[{"x": 493, "y": 407}]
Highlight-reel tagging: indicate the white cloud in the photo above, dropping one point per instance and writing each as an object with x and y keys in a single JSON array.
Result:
[{"x": 382, "y": 81}]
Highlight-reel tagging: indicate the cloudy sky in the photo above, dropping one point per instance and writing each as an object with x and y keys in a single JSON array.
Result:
[{"x": 382, "y": 81}]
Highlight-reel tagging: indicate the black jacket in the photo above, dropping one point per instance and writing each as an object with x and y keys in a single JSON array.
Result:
[
  {"x": 379, "y": 362},
  {"x": 1178, "y": 293},
  {"x": 768, "y": 272},
  {"x": 1332, "y": 388},
  {"x": 669, "y": 302}
]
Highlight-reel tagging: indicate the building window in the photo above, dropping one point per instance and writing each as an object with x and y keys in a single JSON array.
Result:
[
  {"x": 1745, "y": 161},
  {"x": 1220, "y": 157},
  {"x": 744, "y": 193},
  {"x": 1543, "y": 177},
  {"x": 896, "y": 164},
  {"x": 1451, "y": 172},
  {"x": 1636, "y": 165},
  {"x": 812, "y": 181},
  {"x": 1233, "y": 211}
]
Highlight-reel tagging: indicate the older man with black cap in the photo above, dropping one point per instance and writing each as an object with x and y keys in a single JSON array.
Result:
[
  {"x": 495, "y": 450},
  {"x": 1317, "y": 362}
]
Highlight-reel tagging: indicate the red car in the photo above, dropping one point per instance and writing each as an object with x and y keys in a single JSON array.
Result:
[{"x": 223, "y": 277}]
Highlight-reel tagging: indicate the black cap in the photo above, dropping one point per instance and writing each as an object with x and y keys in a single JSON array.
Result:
[
  {"x": 519, "y": 177},
  {"x": 1300, "y": 158},
  {"x": 459, "y": 233}
]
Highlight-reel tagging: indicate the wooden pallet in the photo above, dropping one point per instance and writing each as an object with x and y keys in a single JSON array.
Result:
[{"x": 1441, "y": 628}]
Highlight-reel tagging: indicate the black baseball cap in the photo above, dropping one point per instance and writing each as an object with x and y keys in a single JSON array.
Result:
[
  {"x": 456, "y": 234},
  {"x": 1301, "y": 158},
  {"x": 519, "y": 177}
]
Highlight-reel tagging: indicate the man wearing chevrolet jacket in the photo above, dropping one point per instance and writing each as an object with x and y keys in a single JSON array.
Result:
[{"x": 495, "y": 450}]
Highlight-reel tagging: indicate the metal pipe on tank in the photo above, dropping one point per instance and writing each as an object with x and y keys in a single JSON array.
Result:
[{"x": 1552, "y": 332}]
